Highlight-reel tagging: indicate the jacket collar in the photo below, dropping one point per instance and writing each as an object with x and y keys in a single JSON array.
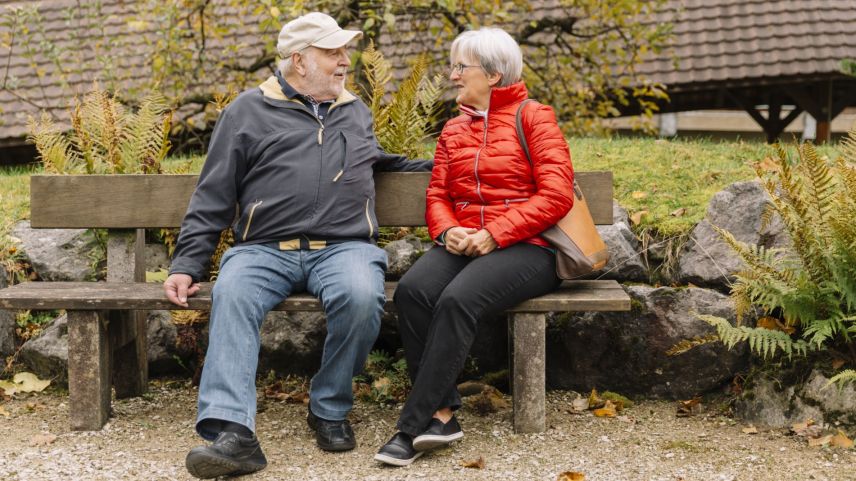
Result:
[
  {"x": 271, "y": 89},
  {"x": 499, "y": 98}
]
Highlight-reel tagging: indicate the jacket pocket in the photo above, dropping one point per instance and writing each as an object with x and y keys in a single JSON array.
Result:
[
  {"x": 250, "y": 215},
  {"x": 357, "y": 164}
]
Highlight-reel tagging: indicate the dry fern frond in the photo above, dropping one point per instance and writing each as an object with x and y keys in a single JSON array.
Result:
[
  {"x": 53, "y": 147},
  {"x": 145, "y": 140}
]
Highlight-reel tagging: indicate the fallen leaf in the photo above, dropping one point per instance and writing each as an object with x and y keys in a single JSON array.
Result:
[
  {"x": 579, "y": 405},
  {"x": 489, "y": 401},
  {"x": 3, "y": 412},
  {"x": 821, "y": 441},
  {"x": 571, "y": 476},
  {"x": 29, "y": 382},
  {"x": 774, "y": 324},
  {"x": 690, "y": 407},
  {"x": 639, "y": 195},
  {"x": 636, "y": 218},
  {"x": 594, "y": 401},
  {"x": 837, "y": 363},
  {"x": 768, "y": 165},
  {"x": 42, "y": 439},
  {"x": 751, "y": 429},
  {"x": 381, "y": 384},
  {"x": 474, "y": 463},
  {"x": 806, "y": 428},
  {"x": 840, "y": 440},
  {"x": 607, "y": 411},
  {"x": 8, "y": 388},
  {"x": 678, "y": 212}
]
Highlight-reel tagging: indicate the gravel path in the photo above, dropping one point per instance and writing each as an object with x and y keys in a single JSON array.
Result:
[{"x": 148, "y": 438}]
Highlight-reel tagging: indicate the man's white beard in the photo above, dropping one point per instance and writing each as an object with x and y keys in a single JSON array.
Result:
[{"x": 322, "y": 87}]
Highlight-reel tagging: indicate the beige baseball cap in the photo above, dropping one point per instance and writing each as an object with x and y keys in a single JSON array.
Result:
[{"x": 313, "y": 30}]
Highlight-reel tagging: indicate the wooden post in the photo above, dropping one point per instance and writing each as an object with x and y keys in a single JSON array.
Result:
[
  {"x": 528, "y": 363},
  {"x": 126, "y": 263},
  {"x": 88, "y": 370},
  {"x": 824, "y": 120}
]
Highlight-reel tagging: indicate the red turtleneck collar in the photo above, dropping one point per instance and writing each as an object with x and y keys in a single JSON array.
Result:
[{"x": 500, "y": 97}]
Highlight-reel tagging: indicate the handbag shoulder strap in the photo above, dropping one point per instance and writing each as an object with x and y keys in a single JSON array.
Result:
[{"x": 521, "y": 135}]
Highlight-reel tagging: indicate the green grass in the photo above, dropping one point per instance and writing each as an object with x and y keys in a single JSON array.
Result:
[
  {"x": 664, "y": 176},
  {"x": 14, "y": 196},
  {"x": 658, "y": 176}
]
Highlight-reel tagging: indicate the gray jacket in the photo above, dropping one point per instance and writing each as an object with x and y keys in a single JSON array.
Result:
[{"x": 275, "y": 172}]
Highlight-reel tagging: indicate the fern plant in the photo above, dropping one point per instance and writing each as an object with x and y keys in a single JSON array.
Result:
[
  {"x": 812, "y": 285},
  {"x": 106, "y": 137},
  {"x": 404, "y": 123}
]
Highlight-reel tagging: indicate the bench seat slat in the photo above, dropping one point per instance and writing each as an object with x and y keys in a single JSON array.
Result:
[{"x": 572, "y": 296}]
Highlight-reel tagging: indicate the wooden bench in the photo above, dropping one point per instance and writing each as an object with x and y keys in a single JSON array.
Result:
[{"x": 106, "y": 320}]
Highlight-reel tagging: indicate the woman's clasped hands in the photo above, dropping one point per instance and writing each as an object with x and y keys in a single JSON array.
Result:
[{"x": 469, "y": 242}]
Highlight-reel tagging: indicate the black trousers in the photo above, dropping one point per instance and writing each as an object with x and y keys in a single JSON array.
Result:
[{"x": 440, "y": 301}]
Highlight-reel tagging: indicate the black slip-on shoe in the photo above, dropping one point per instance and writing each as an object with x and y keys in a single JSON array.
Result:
[
  {"x": 398, "y": 451},
  {"x": 229, "y": 454},
  {"x": 332, "y": 435},
  {"x": 438, "y": 434}
]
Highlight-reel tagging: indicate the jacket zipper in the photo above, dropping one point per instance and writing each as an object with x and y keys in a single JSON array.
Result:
[
  {"x": 250, "y": 219},
  {"x": 512, "y": 201},
  {"x": 476, "y": 169},
  {"x": 344, "y": 154},
  {"x": 369, "y": 219}
]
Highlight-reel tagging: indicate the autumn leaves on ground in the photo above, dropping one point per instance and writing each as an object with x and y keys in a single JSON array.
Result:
[{"x": 589, "y": 436}]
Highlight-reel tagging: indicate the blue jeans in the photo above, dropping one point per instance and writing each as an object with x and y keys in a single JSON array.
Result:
[{"x": 348, "y": 279}]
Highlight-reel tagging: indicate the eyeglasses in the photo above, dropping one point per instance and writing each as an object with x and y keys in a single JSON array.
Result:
[{"x": 459, "y": 67}]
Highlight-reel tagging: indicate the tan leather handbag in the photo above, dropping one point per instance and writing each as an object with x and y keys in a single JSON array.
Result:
[{"x": 579, "y": 247}]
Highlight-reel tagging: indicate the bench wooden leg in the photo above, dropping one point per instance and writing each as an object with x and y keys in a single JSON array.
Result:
[
  {"x": 130, "y": 358},
  {"x": 527, "y": 370},
  {"x": 88, "y": 370}
]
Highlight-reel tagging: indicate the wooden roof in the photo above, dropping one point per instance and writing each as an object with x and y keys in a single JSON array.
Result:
[{"x": 747, "y": 41}]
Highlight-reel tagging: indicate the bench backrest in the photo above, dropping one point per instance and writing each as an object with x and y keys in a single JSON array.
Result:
[{"x": 149, "y": 201}]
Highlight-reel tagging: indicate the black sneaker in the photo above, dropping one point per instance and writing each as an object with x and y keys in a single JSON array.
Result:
[
  {"x": 398, "y": 451},
  {"x": 230, "y": 454},
  {"x": 332, "y": 435},
  {"x": 438, "y": 434}
]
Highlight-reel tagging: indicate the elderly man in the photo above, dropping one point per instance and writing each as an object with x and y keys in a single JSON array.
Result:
[{"x": 296, "y": 156}]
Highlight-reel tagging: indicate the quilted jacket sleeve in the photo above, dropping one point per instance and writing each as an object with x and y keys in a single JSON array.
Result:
[
  {"x": 439, "y": 211},
  {"x": 554, "y": 180}
]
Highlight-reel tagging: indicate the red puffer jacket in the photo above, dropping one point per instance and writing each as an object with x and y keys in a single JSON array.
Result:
[{"x": 482, "y": 179}]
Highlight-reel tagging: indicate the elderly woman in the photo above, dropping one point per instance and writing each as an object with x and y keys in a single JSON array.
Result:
[{"x": 486, "y": 205}]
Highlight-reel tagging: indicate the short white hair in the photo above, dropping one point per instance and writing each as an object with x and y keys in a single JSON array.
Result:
[
  {"x": 285, "y": 66},
  {"x": 494, "y": 50}
]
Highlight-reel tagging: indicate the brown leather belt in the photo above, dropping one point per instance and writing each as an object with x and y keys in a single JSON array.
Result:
[{"x": 307, "y": 244}]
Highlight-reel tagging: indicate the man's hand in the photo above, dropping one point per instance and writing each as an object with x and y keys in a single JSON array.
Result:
[
  {"x": 479, "y": 243},
  {"x": 456, "y": 239},
  {"x": 178, "y": 287}
]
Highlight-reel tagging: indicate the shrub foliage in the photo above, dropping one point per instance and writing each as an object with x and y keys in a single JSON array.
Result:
[{"x": 811, "y": 286}]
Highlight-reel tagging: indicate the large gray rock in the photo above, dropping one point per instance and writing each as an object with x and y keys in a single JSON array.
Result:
[
  {"x": 402, "y": 253},
  {"x": 7, "y": 323},
  {"x": 162, "y": 335},
  {"x": 292, "y": 342},
  {"x": 625, "y": 262},
  {"x": 626, "y": 351},
  {"x": 767, "y": 401},
  {"x": 706, "y": 260},
  {"x": 58, "y": 254},
  {"x": 47, "y": 355},
  {"x": 7, "y": 333}
]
